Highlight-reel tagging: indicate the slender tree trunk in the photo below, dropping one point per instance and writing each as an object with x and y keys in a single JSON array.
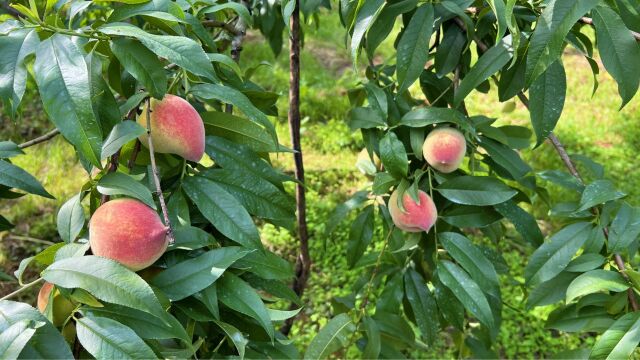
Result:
[{"x": 303, "y": 262}]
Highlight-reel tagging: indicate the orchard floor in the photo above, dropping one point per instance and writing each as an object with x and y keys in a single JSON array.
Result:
[{"x": 590, "y": 125}]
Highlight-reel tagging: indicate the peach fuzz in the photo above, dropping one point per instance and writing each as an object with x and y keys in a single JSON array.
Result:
[
  {"x": 416, "y": 217},
  {"x": 444, "y": 148},
  {"x": 176, "y": 128},
  {"x": 128, "y": 231},
  {"x": 62, "y": 307}
]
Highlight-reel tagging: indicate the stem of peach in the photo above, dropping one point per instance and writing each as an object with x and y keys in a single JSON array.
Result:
[
  {"x": 22, "y": 289},
  {"x": 156, "y": 176}
]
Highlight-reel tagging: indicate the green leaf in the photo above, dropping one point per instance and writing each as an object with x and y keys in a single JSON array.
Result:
[
  {"x": 598, "y": 192},
  {"x": 625, "y": 228},
  {"x": 550, "y": 291},
  {"x": 448, "y": 53},
  {"x": 237, "y": 156},
  {"x": 547, "y": 40},
  {"x": 234, "y": 97},
  {"x": 238, "y": 130},
  {"x": 223, "y": 211},
  {"x": 235, "y": 335},
  {"x": 596, "y": 281},
  {"x": 121, "y": 134},
  {"x": 360, "y": 235},
  {"x": 466, "y": 290},
  {"x": 372, "y": 349},
  {"x": 260, "y": 197},
  {"x": 332, "y": 337},
  {"x": 365, "y": 118},
  {"x": 341, "y": 211},
  {"x": 619, "y": 51},
  {"x": 394, "y": 156},
  {"x": 506, "y": 158},
  {"x": 118, "y": 183},
  {"x": 70, "y": 220},
  {"x": 239, "y": 296},
  {"x": 267, "y": 265},
  {"x": 63, "y": 79},
  {"x": 9, "y": 149},
  {"x": 107, "y": 280},
  {"x": 469, "y": 216},
  {"x": 476, "y": 190},
  {"x": 106, "y": 338},
  {"x": 562, "y": 178},
  {"x": 180, "y": 50},
  {"x": 191, "y": 238},
  {"x": 14, "y": 177},
  {"x": 554, "y": 255},
  {"x": 413, "y": 47},
  {"x": 471, "y": 258},
  {"x": 240, "y": 9},
  {"x": 423, "y": 116},
  {"x": 147, "y": 327},
  {"x": 423, "y": 305},
  {"x": 142, "y": 64},
  {"x": 574, "y": 319},
  {"x": 46, "y": 343},
  {"x": 620, "y": 340},
  {"x": 523, "y": 221},
  {"x": 488, "y": 64},
  {"x": 14, "y": 338},
  {"x": 16, "y": 47},
  {"x": 365, "y": 17},
  {"x": 190, "y": 276},
  {"x": 499, "y": 11},
  {"x": 586, "y": 262},
  {"x": 546, "y": 100}
]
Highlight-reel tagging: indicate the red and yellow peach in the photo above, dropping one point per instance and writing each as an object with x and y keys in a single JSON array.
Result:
[
  {"x": 62, "y": 307},
  {"x": 444, "y": 149},
  {"x": 128, "y": 231},
  {"x": 417, "y": 216}
]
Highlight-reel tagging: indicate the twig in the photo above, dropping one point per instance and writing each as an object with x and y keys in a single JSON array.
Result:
[
  {"x": 224, "y": 25},
  {"x": 303, "y": 262},
  {"x": 51, "y": 134},
  {"x": 113, "y": 166},
  {"x": 22, "y": 289},
  {"x": 566, "y": 159},
  {"x": 134, "y": 155},
  {"x": 589, "y": 21},
  {"x": 156, "y": 176},
  {"x": 11, "y": 11}
]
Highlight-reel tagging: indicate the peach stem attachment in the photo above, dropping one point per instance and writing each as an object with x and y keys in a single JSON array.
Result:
[{"x": 156, "y": 176}]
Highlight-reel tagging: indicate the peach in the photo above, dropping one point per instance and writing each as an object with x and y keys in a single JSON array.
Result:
[
  {"x": 444, "y": 149},
  {"x": 176, "y": 128},
  {"x": 128, "y": 231},
  {"x": 416, "y": 216},
  {"x": 62, "y": 307}
]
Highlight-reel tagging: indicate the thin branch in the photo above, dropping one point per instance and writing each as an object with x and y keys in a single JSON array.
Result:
[
  {"x": 51, "y": 134},
  {"x": 240, "y": 30},
  {"x": 30, "y": 239},
  {"x": 134, "y": 155},
  {"x": 11, "y": 11},
  {"x": 566, "y": 159},
  {"x": 113, "y": 166},
  {"x": 589, "y": 21},
  {"x": 156, "y": 176},
  {"x": 22, "y": 289},
  {"x": 303, "y": 262},
  {"x": 229, "y": 27}
]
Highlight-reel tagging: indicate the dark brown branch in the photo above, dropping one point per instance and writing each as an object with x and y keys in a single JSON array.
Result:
[
  {"x": 303, "y": 262},
  {"x": 134, "y": 155},
  {"x": 113, "y": 166},
  {"x": 51, "y": 134},
  {"x": 566, "y": 159},
  {"x": 11, "y": 11},
  {"x": 589, "y": 21},
  {"x": 229, "y": 27},
  {"x": 156, "y": 176},
  {"x": 236, "y": 47}
]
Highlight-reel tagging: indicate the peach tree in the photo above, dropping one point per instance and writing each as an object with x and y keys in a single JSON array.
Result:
[
  {"x": 175, "y": 140},
  {"x": 459, "y": 188}
]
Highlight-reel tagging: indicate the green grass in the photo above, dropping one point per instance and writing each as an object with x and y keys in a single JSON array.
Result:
[{"x": 589, "y": 125}]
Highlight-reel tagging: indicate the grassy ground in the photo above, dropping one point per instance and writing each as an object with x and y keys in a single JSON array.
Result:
[{"x": 589, "y": 125}]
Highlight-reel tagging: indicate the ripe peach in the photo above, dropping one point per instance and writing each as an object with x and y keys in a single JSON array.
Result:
[
  {"x": 176, "y": 127},
  {"x": 128, "y": 231},
  {"x": 444, "y": 149},
  {"x": 62, "y": 307},
  {"x": 416, "y": 217}
]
